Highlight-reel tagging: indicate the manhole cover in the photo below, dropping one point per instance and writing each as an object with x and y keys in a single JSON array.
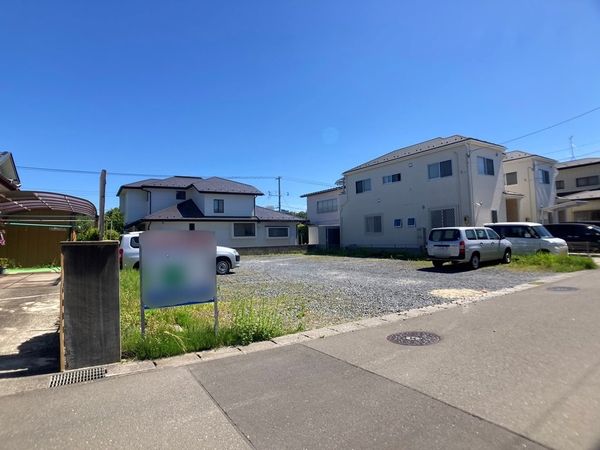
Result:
[
  {"x": 562, "y": 288},
  {"x": 77, "y": 376},
  {"x": 414, "y": 338}
]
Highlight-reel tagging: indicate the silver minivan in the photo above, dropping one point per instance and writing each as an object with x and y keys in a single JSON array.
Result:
[
  {"x": 467, "y": 245},
  {"x": 529, "y": 237}
]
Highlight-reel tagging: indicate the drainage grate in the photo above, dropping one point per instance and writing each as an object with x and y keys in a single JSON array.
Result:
[
  {"x": 414, "y": 338},
  {"x": 77, "y": 376},
  {"x": 562, "y": 289}
]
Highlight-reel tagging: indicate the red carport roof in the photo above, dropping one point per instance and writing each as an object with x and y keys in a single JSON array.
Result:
[{"x": 13, "y": 202}]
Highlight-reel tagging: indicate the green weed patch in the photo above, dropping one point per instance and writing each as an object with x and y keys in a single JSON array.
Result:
[{"x": 553, "y": 263}]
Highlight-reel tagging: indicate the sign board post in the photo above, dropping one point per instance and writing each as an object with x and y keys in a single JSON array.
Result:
[{"x": 177, "y": 268}]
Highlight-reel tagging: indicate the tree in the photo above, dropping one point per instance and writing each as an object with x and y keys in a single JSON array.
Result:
[{"x": 114, "y": 220}]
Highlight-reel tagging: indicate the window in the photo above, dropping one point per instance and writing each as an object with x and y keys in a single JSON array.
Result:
[
  {"x": 442, "y": 218},
  {"x": 191, "y": 226},
  {"x": 180, "y": 195},
  {"x": 587, "y": 181},
  {"x": 244, "y": 230},
  {"x": 440, "y": 170},
  {"x": 485, "y": 166},
  {"x": 511, "y": 178},
  {"x": 492, "y": 234},
  {"x": 363, "y": 186},
  {"x": 494, "y": 216},
  {"x": 397, "y": 223},
  {"x": 470, "y": 234},
  {"x": 481, "y": 234},
  {"x": 218, "y": 205},
  {"x": 135, "y": 242},
  {"x": 373, "y": 224},
  {"x": 391, "y": 178},
  {"x": 278, "y": 232},
  {"x": 444, "y": 235},
  {"x": 325, "y": 206},
  {"x": 544, "y": 176},
  {"x": 411, "y": 222},
  {"x": 560, "y": 184}
]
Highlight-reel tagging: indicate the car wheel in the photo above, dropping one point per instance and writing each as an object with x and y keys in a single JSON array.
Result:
[
  {"x": 507, "y": 256},
  {"x": 438, "y": 264},
  {"x": 474, "y": 262},
  {"x": 136, "y": 266},
  {"x": 223, "y": 267}
]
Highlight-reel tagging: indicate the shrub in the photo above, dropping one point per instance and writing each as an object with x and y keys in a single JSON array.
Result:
[{"x": 112, "y": 235}]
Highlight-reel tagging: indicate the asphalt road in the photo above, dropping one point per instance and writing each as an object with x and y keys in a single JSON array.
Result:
[{"x": 517, "y": 371}]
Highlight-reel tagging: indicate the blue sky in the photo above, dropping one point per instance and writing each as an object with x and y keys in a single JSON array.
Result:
[{"x": 298, "y": 89}]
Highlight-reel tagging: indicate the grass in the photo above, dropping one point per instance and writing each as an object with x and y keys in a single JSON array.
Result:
[
  {"x": 553, "y": 263},
  {"x": 43, "y": 269},
  {"x": 182, "y": 329}
]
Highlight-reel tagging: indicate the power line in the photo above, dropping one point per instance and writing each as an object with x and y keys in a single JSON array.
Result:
[{"x": 552, "y": 126}]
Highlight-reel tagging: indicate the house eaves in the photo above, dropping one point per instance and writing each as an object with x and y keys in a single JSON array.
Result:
[
  {"x": 324, "y": 191},
  {"x": 417, "y": 149}
]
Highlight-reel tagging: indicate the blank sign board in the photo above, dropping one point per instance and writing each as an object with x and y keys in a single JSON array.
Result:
[{"x": 177, "y": 268}]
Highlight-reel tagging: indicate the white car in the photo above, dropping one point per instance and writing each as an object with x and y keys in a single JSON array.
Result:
[
  {"x": 529, "y": 237},
  {"x": 129, "y": 254}
]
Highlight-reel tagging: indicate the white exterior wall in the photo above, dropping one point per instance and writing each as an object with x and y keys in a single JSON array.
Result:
[
  {"x": 224, "y": 233},
  {"x": 416, "y": 195},
  {"x": 133, "y": 204},
  {"x": 569, "y": 176},
  {"x": 234, "y": 205},
  {"x": 536, "y": 195},
  {"x": 328, "y": 218}
]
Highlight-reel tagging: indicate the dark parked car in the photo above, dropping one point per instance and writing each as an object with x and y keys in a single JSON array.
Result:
[{"x": 580, "y": 237}]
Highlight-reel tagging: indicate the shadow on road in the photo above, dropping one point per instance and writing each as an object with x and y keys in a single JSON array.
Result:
[{"x": 36, "y": 356}]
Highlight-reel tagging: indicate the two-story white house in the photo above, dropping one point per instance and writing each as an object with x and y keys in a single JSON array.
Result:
[
  {"x": 530, "y": 187},
  {"x": 226, "y": 207},
  {"x": 394, "y": 200},
  {"x": 323, "y": 212}
]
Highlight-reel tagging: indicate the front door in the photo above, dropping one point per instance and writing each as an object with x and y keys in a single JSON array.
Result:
[{"x": 333, "y": 237}]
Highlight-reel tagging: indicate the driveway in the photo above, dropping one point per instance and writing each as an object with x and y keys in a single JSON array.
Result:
[
  {"x": 29, "y": 306},
  {"x": 330, "y": 289}
]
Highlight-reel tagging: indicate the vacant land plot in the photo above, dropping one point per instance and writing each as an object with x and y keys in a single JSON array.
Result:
[{"x": 323, "y": 290}]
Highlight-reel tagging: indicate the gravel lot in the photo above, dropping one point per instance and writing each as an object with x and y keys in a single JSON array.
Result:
[{"x": 328, "y": 289}]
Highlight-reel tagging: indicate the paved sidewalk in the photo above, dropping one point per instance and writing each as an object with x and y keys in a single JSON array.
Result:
[{"x": 518, "y": 371}]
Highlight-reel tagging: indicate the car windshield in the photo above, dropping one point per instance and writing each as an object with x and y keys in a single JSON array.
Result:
[
  {"x": 541, "y": 231},
  {"x": 444, "y": 235}
]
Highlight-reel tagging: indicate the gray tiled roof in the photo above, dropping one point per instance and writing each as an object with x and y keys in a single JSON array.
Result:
[
  {"x": 271, "y": 215},
  {"x": 584, "y": 195},
  {"x": 519, "y": 154},
  {"x": 212, "y": 184},
  {"x": 418, "y": 148},
  {"x": 577, "y": 162},
  {"x": 322, "y": 192}
]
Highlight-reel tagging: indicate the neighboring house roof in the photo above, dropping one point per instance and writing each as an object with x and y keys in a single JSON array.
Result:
[
  {"x": 13, "y": 202},
  {"x": 338, "y": 188},
  {"x": 9, "y": 177},
  {"x": 419, "y": 148},
  {"x": 584, "y": 195},
  {"x": 577, "y": 162},
  {"x": 519, "y": 154},
  {"x": 212, "y": 184},
  {"x": 188, "y": 211}
]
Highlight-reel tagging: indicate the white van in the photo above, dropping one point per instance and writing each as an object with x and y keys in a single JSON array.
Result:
[{"x": 529, "y": 237}]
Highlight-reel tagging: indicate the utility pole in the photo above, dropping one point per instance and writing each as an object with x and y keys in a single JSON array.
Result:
[
  {"x": 102, "y": 199},
  {"x": 572, "y": 148},
  {"x": 279, "y": 193}
]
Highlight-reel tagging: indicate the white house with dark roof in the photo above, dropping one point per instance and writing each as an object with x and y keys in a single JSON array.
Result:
[
  {"x": 530, "y": 187},
  {"x": 394, "y": 200},
  {"x": 226, "y": 207}
]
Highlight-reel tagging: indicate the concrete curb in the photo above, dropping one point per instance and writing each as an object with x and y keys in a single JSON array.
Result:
[{"x": 16, "y": 385}]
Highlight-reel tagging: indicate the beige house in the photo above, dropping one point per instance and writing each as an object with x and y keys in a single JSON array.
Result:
[
  {"x": 579, "y": 181},
  {"x": 530, "y": 187},
  {"x": 394, "y": 200}
]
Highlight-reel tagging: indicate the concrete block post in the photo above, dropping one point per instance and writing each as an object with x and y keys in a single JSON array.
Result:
[{"x": 90, "y": 322}]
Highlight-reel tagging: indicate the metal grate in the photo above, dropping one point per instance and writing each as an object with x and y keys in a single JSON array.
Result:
[
  {"x": 77, "y": 376},
  {"x": 414, "y": 338},
  {"x": 562, "y": 289}
]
